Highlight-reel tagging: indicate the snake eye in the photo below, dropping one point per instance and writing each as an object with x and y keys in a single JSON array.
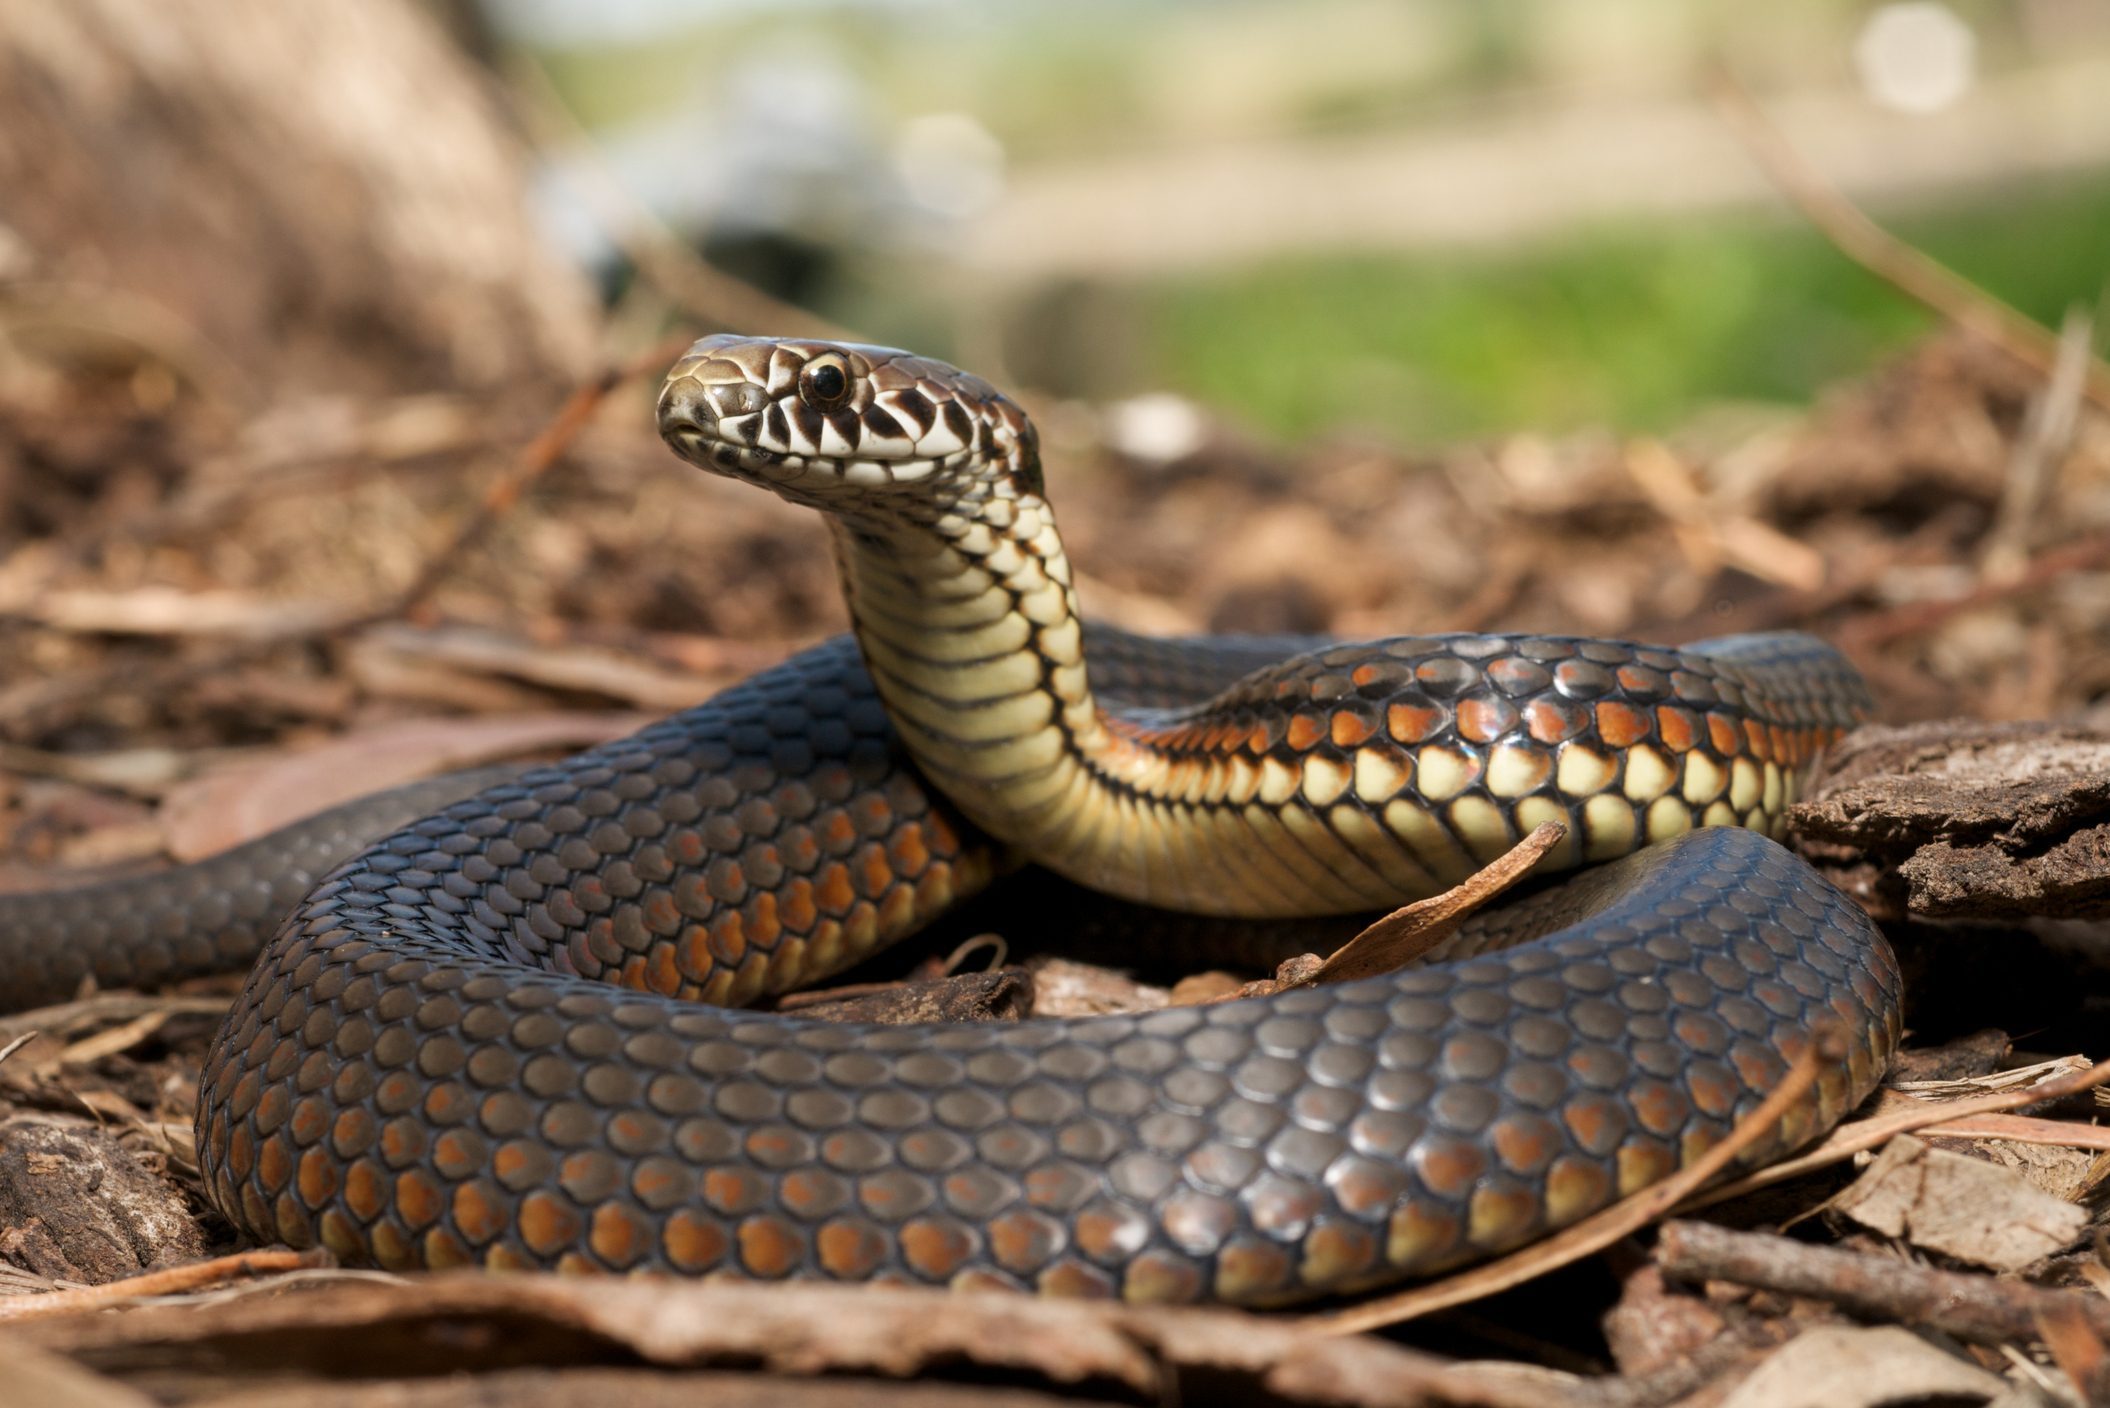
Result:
[{"x": 825, "y": 383}]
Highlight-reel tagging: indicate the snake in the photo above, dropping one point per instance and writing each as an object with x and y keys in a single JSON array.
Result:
[{"x": 497, "y": 1020}]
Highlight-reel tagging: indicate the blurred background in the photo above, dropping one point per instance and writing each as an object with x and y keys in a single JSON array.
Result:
[
  {"x": 1430, "y": 218},
  {"x": 1359, "y": 316}
]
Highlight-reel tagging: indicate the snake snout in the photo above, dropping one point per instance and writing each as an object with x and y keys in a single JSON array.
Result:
[
  {"x": 686, "y": 415},
  {"x": 693, "y": 412}
]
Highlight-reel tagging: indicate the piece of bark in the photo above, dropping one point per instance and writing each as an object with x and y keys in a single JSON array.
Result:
[
  {"x": 1962, "y": 1207},
  {"x": 232, "y": 179},
  {"x": 76, "y": 1205},
  {"x": 1963, "y": 820}
]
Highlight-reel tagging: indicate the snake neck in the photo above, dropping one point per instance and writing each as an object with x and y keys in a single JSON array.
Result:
[{"x": 966, "y": 612}]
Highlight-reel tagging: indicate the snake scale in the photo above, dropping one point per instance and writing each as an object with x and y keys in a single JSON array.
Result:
[{"x": 503, "y": 1035}]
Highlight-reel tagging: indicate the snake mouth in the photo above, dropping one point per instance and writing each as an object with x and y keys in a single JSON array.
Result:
[{"x": 710, "y": 446}]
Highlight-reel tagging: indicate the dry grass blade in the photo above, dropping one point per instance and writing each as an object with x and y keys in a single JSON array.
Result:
[
  {"x": 2022, "y": 1129},
  {"x": 1600, "y": 1229},
  {"x": 669, "y": 261},
  {"x": 175, "y": 1281},
  {"x": 2047, "y": 439},
  {"x": 536, "y": 460},
  {"x": 1852, "y": 1138},
  {"x": 17, "y": 1044},
  {"x": 2075, "y": 1348},
  {"x": 1909, "y": 270}
]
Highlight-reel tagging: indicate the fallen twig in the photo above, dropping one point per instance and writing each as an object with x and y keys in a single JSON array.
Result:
[
  {"x": 2083, "y": 554},
  {"x": 1976, "y": 1308}
]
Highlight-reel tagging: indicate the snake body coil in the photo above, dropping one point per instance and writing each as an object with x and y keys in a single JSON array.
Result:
[{"x": 480, "y": 1040}]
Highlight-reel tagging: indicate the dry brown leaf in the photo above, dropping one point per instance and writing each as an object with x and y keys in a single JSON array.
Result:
[
  {"x": 1205, "y": 986},
  {"x": 845, "y": 1332},
  {"x": 580, "y": 668},
  {"x": 94, "y": 1048},
  {"x": 1401, "y": 936},
  {"x": 226, "y": 808},
  {"x": 1834, "y": 1366},
  {"x": 1959, "y": 1206},
  {"x": 2076, "y": 1349},
  {"x": 1408, "y": 932}
]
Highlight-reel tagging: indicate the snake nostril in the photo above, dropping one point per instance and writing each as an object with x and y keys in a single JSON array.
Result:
[{"x": 685, "y": 409}]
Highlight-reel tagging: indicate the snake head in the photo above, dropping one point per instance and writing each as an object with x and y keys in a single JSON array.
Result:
[{"x": 837, "y": 424}]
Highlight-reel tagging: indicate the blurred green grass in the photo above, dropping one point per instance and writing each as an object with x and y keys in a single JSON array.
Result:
[{"x": 1633, "y": 327}]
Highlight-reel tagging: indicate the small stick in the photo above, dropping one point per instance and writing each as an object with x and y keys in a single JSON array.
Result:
[
  {"x": 176, "y": 1280},
  {"x": 2084, "y": 554},
  {"x": 1976, "y": 1308},
  {"x": 1600, "y": 1229}
]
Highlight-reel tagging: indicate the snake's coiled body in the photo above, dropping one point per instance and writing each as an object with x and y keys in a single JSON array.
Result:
[{"x": 432, "y": 1063}]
